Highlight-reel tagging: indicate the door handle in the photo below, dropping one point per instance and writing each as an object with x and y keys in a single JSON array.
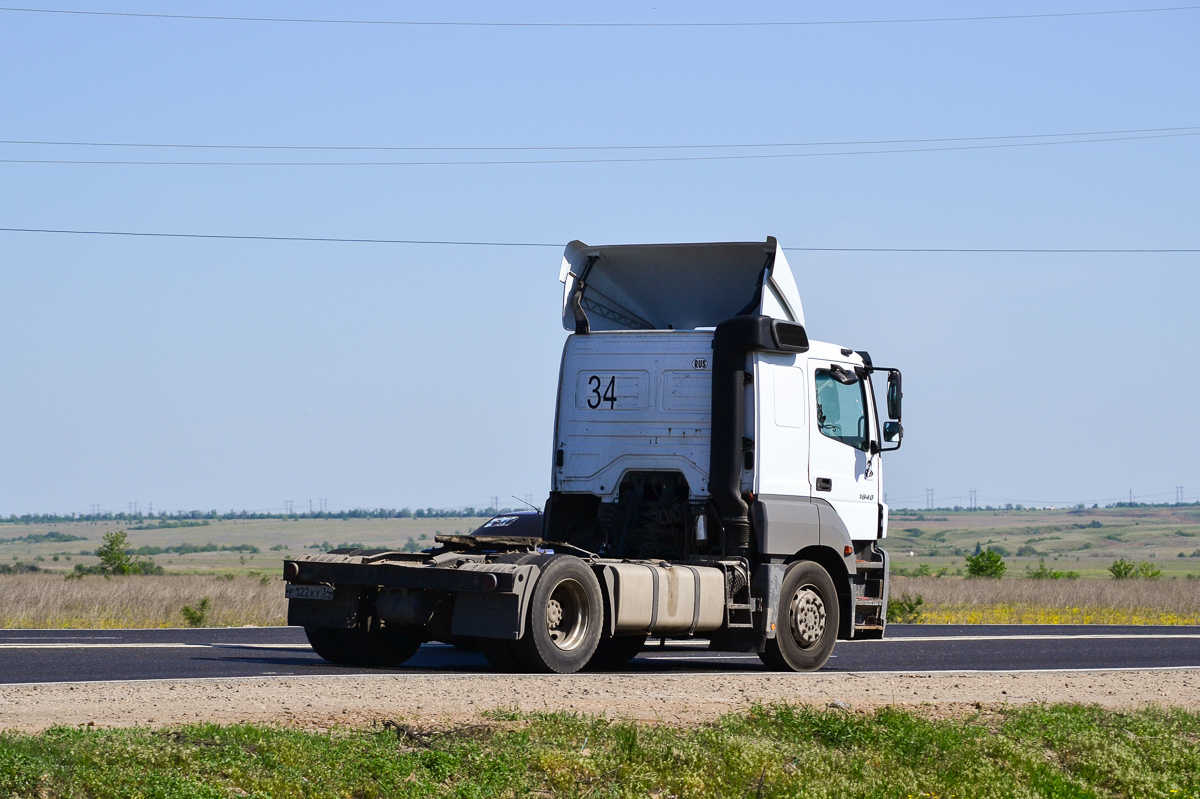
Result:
[{"x": 824, "y": 484}]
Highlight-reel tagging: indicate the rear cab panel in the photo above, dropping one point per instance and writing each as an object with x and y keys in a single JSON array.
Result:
[{"x": 631, "y": 400}]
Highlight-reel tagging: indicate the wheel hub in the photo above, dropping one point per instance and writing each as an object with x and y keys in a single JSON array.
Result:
[
  {"x": 807, "y": 613},
  {"x": 554, "y": 614},
  {"x": 567, "y": 615}
]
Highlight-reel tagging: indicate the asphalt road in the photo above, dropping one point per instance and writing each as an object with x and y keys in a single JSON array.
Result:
[{"x": 32, "y": 656}]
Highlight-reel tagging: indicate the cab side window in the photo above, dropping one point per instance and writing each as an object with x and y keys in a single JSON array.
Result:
[{"x": 841, "y": 410}]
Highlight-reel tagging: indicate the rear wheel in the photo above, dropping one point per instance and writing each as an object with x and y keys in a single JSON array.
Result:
[
  {"x": 613, "y": 653},
  {"x": 377, "y": 648},
  {"x": 808, "y": 616},
  {"x": 565, "y": 614},
  {"x": 324, "y": 643}
]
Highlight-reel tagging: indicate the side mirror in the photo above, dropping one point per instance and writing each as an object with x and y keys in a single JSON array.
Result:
[
  {"x": 894, "y": 396},
  {"x": 892, "y": 431},
  {"x": 843, "y": 376}
]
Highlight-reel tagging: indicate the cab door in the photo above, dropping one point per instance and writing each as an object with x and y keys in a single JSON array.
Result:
[{"x": 842, "y": 466}]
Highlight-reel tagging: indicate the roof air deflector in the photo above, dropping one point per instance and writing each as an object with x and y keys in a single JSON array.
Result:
[{"x": 672, "y": 286}]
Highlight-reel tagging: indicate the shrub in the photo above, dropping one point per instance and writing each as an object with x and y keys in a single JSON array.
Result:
[
  {"x": 197, "y": 616},
  {"x": 987, "y": 563},
  {"x": 1027, "y": 551},
  {"x": 190, "y": 549},
  {"x": 115, "y": 559},
  {"x": 905, "y": 609},
  {"x": 1122, "y": 569},
  {"x": 1147, "y": 571},
  {"x": 113, "y": 553},
  {"x": 1042, "y": 573},
  {"x": 19, "y": 568}
]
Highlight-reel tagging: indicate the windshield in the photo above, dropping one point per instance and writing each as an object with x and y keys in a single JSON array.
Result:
[{"x": 841, "y": 410}]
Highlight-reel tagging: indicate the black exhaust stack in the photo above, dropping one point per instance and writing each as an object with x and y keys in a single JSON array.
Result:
[{"x": 733, "y": 340}]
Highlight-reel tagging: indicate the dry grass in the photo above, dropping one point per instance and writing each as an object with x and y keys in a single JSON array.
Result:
[
  {"x": 49, "y": 601},
  {"x": 950, "y": 600}
]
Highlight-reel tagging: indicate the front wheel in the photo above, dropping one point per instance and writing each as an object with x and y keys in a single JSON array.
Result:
[
  {"x": 565, "y": 615},
  {"x": 809, "y": 618},
  {"x": 613, "y": 653}
]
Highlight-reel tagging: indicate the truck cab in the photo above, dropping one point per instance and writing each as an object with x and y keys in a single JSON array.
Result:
[{"x": 697, "y": 422}]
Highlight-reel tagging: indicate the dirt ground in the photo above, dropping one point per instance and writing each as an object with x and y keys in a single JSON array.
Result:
[{"x": 323, "y": 702}]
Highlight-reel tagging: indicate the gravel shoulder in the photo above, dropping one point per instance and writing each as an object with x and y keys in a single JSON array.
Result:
[{"x": 323, "y": 702}]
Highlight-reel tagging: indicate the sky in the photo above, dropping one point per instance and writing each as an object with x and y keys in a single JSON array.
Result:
[{"x": 233, "y": 374}]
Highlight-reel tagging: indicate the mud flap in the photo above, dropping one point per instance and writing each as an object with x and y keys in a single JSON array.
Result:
[
  {"x": 766, "y": 583},
  {"x": 495, "y": 615},
  {"x": 487, "y": 615}
]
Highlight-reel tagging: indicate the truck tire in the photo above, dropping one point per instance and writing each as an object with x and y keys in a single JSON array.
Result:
[
  {"x": 566, "y": 612},
  {"x": 808, "y": 620},
  {"x": 380, "y": 648},
  {"x": 500, "y": 655},
  {"x": 324, "y": 643},
  {"x": 613, "y": 653}
]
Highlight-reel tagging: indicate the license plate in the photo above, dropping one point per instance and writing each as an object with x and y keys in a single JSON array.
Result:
[{"x": 308, "y": 592}]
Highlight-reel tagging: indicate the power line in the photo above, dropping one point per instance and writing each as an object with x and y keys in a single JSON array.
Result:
[
  {"x": 981, "y": 250},
  {"x": 282, "y": 238},
  {"x": 461, "y": 243},
  {"x": 455, "y": 24},
  {"x": 576, "y": 148},
  {"x": 630, "y": 160}
]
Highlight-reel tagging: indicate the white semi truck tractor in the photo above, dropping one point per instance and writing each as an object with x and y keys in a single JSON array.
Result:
[{"x": 715, "y": 475}]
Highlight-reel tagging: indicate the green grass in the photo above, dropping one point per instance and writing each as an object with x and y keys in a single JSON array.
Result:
[{"x": 780, "y": 751}]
